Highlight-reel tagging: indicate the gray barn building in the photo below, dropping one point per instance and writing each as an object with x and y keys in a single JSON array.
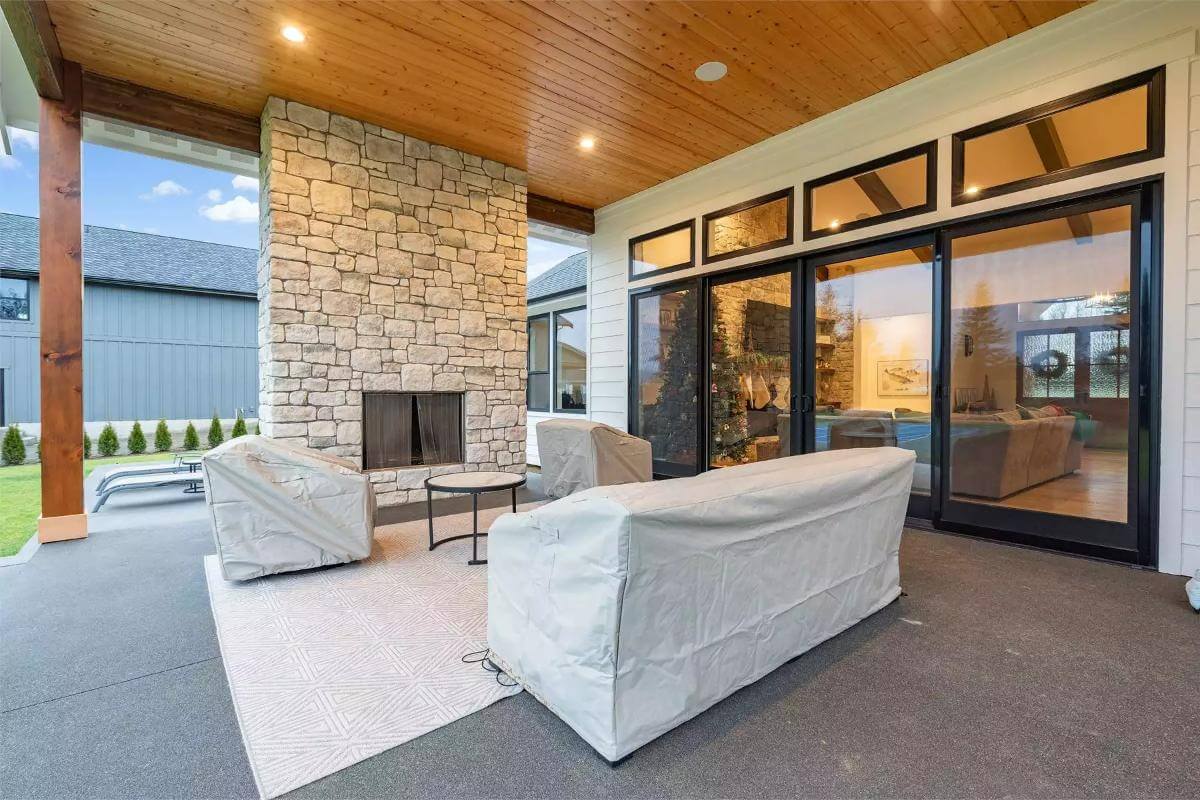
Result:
[{"x": 170, "y": 326}]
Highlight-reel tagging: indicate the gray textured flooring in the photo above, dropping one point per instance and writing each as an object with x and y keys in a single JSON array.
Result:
[{"x": 1003, "y": 672}]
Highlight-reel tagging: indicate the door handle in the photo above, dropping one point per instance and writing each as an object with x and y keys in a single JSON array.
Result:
[{"x": 806, "y": 404}]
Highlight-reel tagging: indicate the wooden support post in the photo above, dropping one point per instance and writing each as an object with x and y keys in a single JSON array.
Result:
[{"x": 61, "y": 312}]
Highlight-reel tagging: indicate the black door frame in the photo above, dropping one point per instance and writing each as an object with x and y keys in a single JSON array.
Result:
[
  {"x": 918, "y": 505},
  {"x": 1147, "y": 238},
  {"x": 1016, "y": 525}
]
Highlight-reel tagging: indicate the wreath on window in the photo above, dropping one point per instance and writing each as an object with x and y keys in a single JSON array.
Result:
[
  {"x": 1115, "y": 361},
  {"x": 1050, "y": 364}
]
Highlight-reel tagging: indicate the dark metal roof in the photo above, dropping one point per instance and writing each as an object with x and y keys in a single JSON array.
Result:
[
  {"x": 568, "y": 275},
  {"x": 145, "y": 259}
]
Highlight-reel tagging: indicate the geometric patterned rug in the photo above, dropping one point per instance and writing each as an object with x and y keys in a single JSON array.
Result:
[{"x": 332, "y": 666}]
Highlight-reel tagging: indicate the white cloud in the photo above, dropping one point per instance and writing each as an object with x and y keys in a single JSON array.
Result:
[
  {"x": 9, "y": 162},
  {"x": 167, "y": 188},
  {"x": 244, "y": 184},
  {"x": 23, "y": 138},
  {"x": 213, "y": 195},
  {"x": 239, "y": 209}
]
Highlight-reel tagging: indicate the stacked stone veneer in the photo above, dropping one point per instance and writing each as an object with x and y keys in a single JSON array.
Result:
[{"x": 388, "y": 264}]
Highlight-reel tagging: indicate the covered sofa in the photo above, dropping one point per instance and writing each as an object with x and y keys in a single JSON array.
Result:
[
  {"x": 279, "y": 507},
  {"x": 577, "y": 454},
  {"x": 629, "y": 609}
]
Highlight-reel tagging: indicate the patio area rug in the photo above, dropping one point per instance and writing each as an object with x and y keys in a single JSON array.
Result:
[{"x": 332, "y": 666}]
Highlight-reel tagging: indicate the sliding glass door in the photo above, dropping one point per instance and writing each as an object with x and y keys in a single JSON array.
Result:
[
  {"x": 1043, "y": 373},
  {"x": 665, "y": 374},
  {"x": 871, "y": 349},
  {"x": 750, "y": 355}
]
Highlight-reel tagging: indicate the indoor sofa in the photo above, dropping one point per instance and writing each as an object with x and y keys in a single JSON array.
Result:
[
  {"x": 629, "y": 609},
  {"x": 1000, "y": 454}
]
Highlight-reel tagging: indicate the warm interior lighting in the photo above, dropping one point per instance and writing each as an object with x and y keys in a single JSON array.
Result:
[
  {"x": 711, "y": 71},
  {"x": 587, "y": 142},
  {"x": 971, "y": 191},
  {"x": 292, "y": 33},
  {"x": 834, "y": 224}
]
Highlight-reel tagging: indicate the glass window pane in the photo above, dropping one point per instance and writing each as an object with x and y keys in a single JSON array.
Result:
[
  {"x": 1040, "y": 418},
  {"x": 539, "y": 344},
  {"x": 670, "y": 249},
  {"x": 538, "y": 391},
  {"x": 14, "y": 299},
  {"x": 1102, "y": 129},
  {"x": 665, "y": 377},
  {"x": 757, "y": 226},
  {"x": 750, "y": 395},
  {"x": 859, "y": 198},
  {"x": 570, "y": 360},
  {"x": 874, "y": 339}
]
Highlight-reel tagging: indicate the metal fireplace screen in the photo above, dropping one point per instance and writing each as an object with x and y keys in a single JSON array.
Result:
[{"x": 410, "y": 429}]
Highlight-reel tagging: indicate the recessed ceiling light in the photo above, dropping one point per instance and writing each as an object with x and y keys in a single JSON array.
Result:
[
  {"x": 711, "y": 71},
  {"x": 834, "y": 224},
  {"x": 971, "y": 190},
  {"x": 292, "y": 33},
  {"x": 587, "y": 142}
]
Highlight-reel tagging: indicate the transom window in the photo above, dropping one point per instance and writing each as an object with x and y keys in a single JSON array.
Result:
[{"x": 896, "y": 186}]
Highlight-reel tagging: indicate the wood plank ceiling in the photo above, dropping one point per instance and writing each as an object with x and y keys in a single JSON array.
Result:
[{"x": 522, "y": 82}]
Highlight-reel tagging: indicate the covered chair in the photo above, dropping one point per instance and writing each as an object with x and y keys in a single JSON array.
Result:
[
  {"x": 577, "y": 454},
  {"x": 279, "y": 507}
]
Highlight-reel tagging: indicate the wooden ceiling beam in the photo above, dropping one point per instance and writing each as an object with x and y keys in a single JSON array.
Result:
[
  {"x": 1053, "y": 155},
  {"x": 137, "y": 105},
  {"x": 29, "y": 21},
  {"x": 561, "y": 215}
]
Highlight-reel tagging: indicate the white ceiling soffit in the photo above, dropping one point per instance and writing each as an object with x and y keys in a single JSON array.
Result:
[
  {"x": 18, "y": 100},
  {"x": 552, "y": 233}
]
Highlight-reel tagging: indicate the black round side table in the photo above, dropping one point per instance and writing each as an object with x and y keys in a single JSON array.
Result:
[{"x": 474, "y": 484}]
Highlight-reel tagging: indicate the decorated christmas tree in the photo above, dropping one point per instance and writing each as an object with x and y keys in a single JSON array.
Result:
[
  {"x": 670, "y": 424},
  {"x": 728, "y": 444}
]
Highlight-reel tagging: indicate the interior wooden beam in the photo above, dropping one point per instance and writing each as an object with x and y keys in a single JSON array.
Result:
[
  {"x": 1050, "y": 150},
  {"x": 60, "y": 314},
  {"x": 877, "y": 192},
  {"x": 29, "y": 21},
  {"x": 138, "y": 105},
  {"x": 560, "y": 214}
]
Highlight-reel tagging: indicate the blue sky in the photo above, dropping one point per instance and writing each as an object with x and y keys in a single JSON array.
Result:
[{"x": 143, "y": 193}]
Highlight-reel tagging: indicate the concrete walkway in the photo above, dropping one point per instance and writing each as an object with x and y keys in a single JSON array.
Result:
[{"x": 1003, "y": 672}]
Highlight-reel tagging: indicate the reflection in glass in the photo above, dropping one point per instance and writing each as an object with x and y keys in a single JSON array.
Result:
[
  {"x": 537, "y": 395},
  {"x": 874, "y": 338},
  {"x": 858, "y": 198},
  {"x": 570, "y": 360},
  {"x": 670, "y": 249},
  {"x": 1040, "y": 366},
  {"x": 1106, "y": 128},
  {"x": 666, "y": 377},
  {"x": 750, "y": 395},
  {"x": 757, "y": 226}
]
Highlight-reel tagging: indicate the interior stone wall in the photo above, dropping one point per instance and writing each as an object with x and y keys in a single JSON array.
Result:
[{"x": 388, "y": 264}]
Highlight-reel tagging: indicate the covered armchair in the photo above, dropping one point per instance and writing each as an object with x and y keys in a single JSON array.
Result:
[{"x": 577, "y": 454}]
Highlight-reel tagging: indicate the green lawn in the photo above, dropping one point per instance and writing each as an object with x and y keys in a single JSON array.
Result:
[{"x": 21, "y": 497}]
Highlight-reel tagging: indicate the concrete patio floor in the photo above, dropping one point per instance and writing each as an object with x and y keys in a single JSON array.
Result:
[{"x": 1003, "y": 672}]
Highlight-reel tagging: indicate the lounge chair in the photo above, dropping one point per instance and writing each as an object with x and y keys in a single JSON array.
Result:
[
  {"x": 193, "y": 483},
  {"x": 180, "y": 464}
]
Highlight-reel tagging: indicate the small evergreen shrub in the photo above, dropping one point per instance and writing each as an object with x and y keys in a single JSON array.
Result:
[
  {"x": 107, "y": 443},
  {"x": 239, "y": 427},
  {"x": 191, "y": 439},
  {"x": 215, "y": 434},
  {"x": 162, "y": 438},
  {"x": 137, "y": 439},
  {"x": 13, "y": 451},
  {"x": 257, "y": 429},
  {"x": 87, "y": 446}
]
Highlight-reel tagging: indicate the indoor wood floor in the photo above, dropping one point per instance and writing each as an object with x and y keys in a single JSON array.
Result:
[{"x": 1099, "y": 490}]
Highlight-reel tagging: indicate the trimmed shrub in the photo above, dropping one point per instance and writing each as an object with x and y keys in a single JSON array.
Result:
[
  {"x": 87, "y": 446},
  {"x": 162, "y": 438},
  {"x": 191, "y": 439},
  {"x": 239, "y": 427},
  {"x": 137, "y": 439},
  {"x": 107, "y": 443},
  {"x": 13, "y": 451},
  {"x": 215, "y": 434}
]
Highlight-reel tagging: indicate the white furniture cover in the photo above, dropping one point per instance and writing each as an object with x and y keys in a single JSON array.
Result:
[
  {"x": 278, "y": 507},
  {"x": 629, "y": 609},
  {"x": 577, "y": 454}
]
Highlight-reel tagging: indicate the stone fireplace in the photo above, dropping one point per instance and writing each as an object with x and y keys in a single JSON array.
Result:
[{"x": 389, "y": 267}]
